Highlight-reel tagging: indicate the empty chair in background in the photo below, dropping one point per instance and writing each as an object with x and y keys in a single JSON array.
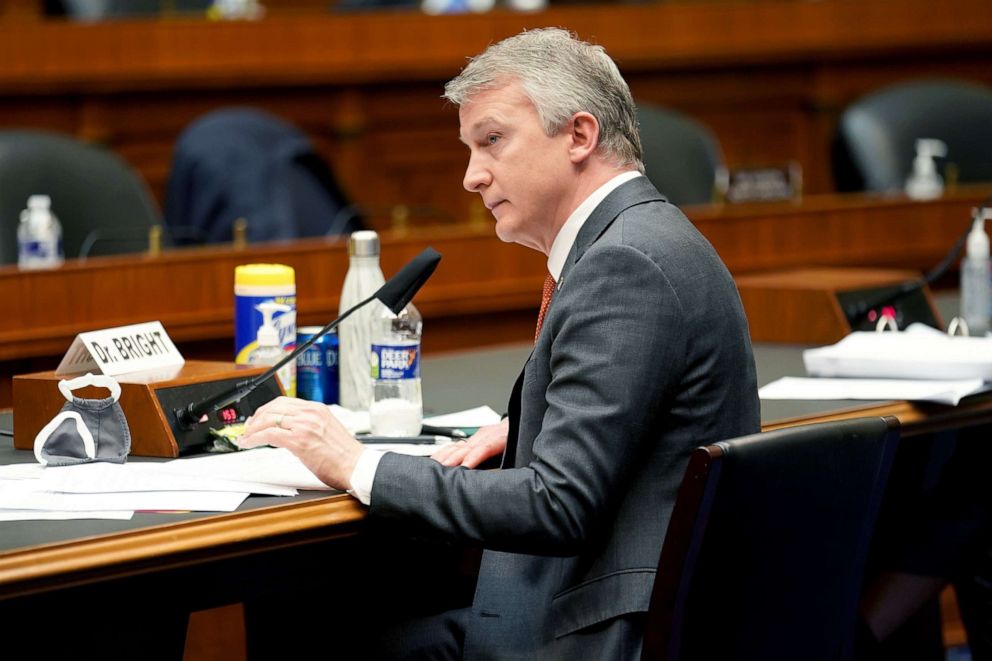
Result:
[
  {"x": 99, "y": 10},
  {"x": 246, "y": 163},
  {"x": 104, "y": 205},
  {"x": 876, "y": 138},
  {"x": 766, "y": 550},
  {"x": 682, "y": 158}
]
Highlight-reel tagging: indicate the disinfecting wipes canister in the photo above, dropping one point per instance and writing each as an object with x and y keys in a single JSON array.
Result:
[{"x": 255, "y": 284}]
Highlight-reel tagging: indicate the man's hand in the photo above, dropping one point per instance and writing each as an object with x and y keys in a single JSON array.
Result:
[
  {"x": 309, "y": 431},
  {"x": 488, "y": 442}
]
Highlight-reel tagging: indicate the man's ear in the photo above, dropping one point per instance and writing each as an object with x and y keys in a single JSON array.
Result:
[{"x": 584, "y": 131}]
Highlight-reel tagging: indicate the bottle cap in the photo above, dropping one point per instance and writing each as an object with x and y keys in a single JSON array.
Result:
[
  {"x": 264, "y": 274},
  {"x": 364, "y": 243},
  {"x": 39, "y": 202},
  {"x": 978, "y": 240}
]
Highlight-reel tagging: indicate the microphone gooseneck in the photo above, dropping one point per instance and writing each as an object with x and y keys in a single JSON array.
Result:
[
  {"x": 395, "y": 294},
  {"x": 858, "y": 310}
]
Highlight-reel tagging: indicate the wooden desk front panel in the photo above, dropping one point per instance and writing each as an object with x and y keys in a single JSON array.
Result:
[{"x": 768, "y": 77}]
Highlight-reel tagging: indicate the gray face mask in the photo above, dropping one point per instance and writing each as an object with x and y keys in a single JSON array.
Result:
[{"x": 85, "y": 430}]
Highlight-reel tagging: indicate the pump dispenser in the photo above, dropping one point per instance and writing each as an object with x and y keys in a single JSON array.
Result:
[
  {"x": 39, "y": 236},
  {"x": 270, "y": 350},
  {"x": 976, "y": 287},
  {"x": 925, "y": 183}
]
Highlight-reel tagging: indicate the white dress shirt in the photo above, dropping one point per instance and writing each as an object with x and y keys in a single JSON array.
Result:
[{"x": 364, "y": 474}]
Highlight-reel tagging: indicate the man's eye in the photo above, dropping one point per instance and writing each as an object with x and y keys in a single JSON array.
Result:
[{"x": 492, "y": 139}]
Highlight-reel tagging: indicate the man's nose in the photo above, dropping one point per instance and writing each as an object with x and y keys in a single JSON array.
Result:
[{"x": 476, "y": 175}]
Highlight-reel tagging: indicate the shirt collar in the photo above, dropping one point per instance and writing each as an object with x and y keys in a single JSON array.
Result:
[{"x": 566, "y": 235}]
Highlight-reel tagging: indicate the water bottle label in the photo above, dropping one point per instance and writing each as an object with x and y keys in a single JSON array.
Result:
[
  {"x": 43, "y": 249},
  {"x": 392, "y": 362}
]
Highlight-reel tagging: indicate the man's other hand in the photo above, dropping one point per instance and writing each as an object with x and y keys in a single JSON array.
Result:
[{"x": 488, "y": 442}]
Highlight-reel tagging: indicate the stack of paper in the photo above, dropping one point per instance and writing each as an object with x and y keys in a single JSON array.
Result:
[
  {"x": 919, "y": 364},
  {"x": 920, "y": 352},
  {"x": 208, "y": 483}
]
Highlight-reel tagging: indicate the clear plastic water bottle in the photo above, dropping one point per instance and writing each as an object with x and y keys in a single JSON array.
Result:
[
  {"x": 397, "y": 406},
  {"x": 976, "y": 292},
  {"x": 39, "y": 236},
  {"x": 364, "y": 277}
]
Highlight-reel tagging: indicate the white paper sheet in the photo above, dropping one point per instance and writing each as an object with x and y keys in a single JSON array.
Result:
[
  {"x": 275, "y": 466},
  {"x": 43, "y": 515},
  {"x": 30, "y": 471},
  {"x": 477, "y": 417},
  {"x": 103, "y": 477},
  {"x": 356, "y": 422},
  {"x": 192, "y": 501},
  {"x": 943, "y": 392}
]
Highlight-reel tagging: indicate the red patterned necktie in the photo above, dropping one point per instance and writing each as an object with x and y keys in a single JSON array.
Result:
[{"x": 546, "y": 294}]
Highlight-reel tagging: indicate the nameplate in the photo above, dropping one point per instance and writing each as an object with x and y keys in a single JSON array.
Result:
[
  {"x": 121, "y": 350},
  {"x": 764, "y": 184}
]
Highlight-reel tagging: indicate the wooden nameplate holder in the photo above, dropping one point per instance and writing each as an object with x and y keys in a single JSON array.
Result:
[
  {"x": 148, "y": 400},
  {"x": 813, "y": 305}
]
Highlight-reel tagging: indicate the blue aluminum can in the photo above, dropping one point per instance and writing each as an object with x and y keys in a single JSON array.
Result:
[{"x": 317, "y": 367}]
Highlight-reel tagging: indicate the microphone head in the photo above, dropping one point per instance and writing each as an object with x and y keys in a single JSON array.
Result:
[{"x": 402, "y": 287}]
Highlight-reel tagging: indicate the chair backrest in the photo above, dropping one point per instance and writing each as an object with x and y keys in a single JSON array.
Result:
[
  {"x": 93, "y": 10},
  {"x": 765, "y": 553},
  {"x": 246, "y": 163},
  {"x": 876, "y": 136},
  {"x": 681, "y": 157},
  {"x": 94, "y": 193}
]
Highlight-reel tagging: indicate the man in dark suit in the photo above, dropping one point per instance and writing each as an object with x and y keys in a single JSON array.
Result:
[{"x": 642, "y": 355}]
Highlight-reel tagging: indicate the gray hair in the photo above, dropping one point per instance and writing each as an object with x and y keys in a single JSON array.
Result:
[{"x": 561, "y": 76}]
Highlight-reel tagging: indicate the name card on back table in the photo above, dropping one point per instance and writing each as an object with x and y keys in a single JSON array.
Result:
[{"x": 121, "y": 350}]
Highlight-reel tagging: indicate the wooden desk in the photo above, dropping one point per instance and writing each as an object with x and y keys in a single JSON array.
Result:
[
  {"x": 52, "y": 560},
  {"x": 43, "y": 558},
  {"x": 770, "y": 78},
  {"x": 484, "y": 292}
]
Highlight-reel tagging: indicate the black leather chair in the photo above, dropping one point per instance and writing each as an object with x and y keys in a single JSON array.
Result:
[
  {"x": 682, "y": 158},
  {"x": 242, "y": 162},
  {"x": 103, "y": 204},
  {"x": 765, "y": 553},
  {"x": 876, "y": 136},
  {"x": 100, "y": 10}
]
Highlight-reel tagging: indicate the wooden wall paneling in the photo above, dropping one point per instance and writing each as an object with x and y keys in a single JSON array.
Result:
[{"x": 769, "y": 78}]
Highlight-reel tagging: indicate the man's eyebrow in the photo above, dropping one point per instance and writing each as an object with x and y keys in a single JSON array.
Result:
[{"x": 481, "y": 124}]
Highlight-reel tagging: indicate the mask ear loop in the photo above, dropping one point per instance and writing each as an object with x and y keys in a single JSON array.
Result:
[
  {"x": 39, "y": 441},
  {"x": 99, "y": 380}
]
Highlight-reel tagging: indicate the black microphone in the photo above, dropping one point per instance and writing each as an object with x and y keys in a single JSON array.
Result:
[
  {"x": 859, "y": 309},
  {"x": 394, "y": 294}
]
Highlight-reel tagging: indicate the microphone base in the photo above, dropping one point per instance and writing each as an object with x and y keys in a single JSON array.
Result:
[
  {"x": 816, "y": 305},
  {"x": 149, "y": 400}
]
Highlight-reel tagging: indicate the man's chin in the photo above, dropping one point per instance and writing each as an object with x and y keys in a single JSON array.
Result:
[{"x": 504, "y": 231}]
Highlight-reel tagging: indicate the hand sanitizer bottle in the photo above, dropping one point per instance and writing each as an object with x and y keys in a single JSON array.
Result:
[
  {"x": 976, "y": 287},
  {"x": 270, "y": 350},
  {"x": 39, "y": 236},
  {"x": 925, "y": 183}
]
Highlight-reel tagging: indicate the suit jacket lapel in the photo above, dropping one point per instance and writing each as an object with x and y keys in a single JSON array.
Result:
[
  {"x": 513, "y": 413},
  {"x": 634, "y": 192}
]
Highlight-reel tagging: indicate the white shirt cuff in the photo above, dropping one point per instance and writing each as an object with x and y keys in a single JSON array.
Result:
[{"x": 364, "y": 474}]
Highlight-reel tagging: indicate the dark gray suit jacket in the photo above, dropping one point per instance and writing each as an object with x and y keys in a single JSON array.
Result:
[{"x": 644, "y": 355}]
